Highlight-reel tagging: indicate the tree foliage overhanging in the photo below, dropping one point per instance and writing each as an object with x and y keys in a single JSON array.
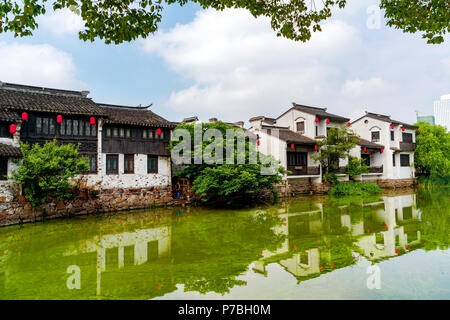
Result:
[
  {"x": 220, "y": 182},
  {"x": 45, "y": 171},
  {"x": 117, "y": 21},
  {"x": 432, "y": 156}
]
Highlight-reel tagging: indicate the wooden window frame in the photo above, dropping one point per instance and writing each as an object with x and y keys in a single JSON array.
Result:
[
  {"x": 112, "y": 156},
  {"x": 402, "y": 160},
  {"x": 152, "y": 171},
  {"x": 301, "y": 124},
  {"x": 375, "y": 139},
  {"x": 409, "y": 135},
  {"x": 126, "y": 159}
]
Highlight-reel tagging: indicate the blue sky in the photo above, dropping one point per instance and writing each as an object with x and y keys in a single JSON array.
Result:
[{"x": 232, "y": 66}]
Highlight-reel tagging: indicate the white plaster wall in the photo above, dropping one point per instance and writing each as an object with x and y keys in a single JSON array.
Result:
[
  {"x": 291, "y": 118},
  {"x": 390, "y": 172},
  {"x": 406, "y": 172},
  {"x": 139, "y": 179},
  {"x": 271, "y": 145},
  {"x": 8, "y": 188}
]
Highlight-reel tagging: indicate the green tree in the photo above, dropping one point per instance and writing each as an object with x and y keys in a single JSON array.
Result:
[
  {"x": 432, "y": 157},
  {"x": 116, "y": 21},
  {"x": 45, "y": 171},
  {"x": 356, "y": 166},
  {"x": 335, "y": 146},
  {"x": 222, "y": 182}
]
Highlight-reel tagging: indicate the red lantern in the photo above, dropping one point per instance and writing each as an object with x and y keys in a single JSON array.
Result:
[
  {"x": 292, "y": 146},
  {"x": 158, "y": 131},
  {"x": 92, "y": 120},
  {"x": 295, "y": 247},
  {"x": 59, "y": 119},
  {"x": 418, "y": 131},
  {"x": 258, "y": 142},
  {"x": 12, "y": 129},
  {"x": 392, "y": 126},
  {"x": 349, "y": 124},
  {"x": 409, "y": 247},
  {"x": 367, "y": 230},
  {"x": 385, "y": 226},
  {"x": 25, "y": 116},
  {"x": 403, "y": 129},
  {"x": 317, "y": 119},
  {"x": 316, "y": 148},
  {"x": 365, "y": 149},
  {"x": 382, "y": 150},
  {"x": 328, "y": 121}
]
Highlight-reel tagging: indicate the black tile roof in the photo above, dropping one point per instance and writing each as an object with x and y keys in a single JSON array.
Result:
[
  {"x": 321, "y": 113},
  {"x": 265, "y": 119},
  {"x": 7, "y": 150},
  {"x": 29, "y": 98},
  {"x": 7, "y": 115},
  {"x": 138, "y": 116},
  {"x": 368, "y": 144},
  {"x": 294, "y": 137},
  {"x": 386, "y": 118}
]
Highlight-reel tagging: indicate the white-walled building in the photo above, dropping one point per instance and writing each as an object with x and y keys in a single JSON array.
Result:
[
  {"x": 442, "y": 111},
  {"x": 394, "y": 146},
  {"x": 387, "y": 145},
  {"x": 9, "y": 152},
  {"x": 292, "y": 137},
  {"x": 126, "y": 146}
]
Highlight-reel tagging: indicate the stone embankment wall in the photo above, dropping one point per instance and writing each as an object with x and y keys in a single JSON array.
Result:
[
  {"x": 20, "y": 211},
  {"x": 17, "y": 210},
  {"x": 322, "y": 188}
]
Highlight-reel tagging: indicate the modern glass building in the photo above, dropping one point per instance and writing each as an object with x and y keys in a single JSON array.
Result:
[
  {"x": 427, "y": 119},
  {"x": 442, "y": 111}
]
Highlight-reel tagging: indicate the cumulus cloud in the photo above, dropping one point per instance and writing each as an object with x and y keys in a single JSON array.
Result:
[
  {"x": 241, "y": 69},
  {"x": 41, "y": 65},
  {"x": 61, "y": 22},
  {"x": 238, "y": 68},
  {"x": 369, "y": 87}
]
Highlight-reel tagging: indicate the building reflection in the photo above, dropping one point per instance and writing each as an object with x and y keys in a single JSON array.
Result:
[
  {"x": 126, "y": 249},
  {"x": 319, "y": 240},
  {"x": 140, "y": 256}
]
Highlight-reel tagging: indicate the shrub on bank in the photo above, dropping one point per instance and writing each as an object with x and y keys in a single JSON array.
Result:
[{"x": 354, "y": 189}]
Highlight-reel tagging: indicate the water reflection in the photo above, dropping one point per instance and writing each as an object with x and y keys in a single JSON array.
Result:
[
  {"x": 322, "y": 237},
  {"x": 149, "y": 254}
]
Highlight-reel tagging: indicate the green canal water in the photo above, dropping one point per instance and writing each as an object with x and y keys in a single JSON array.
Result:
[{"x": 304, "y": 248}]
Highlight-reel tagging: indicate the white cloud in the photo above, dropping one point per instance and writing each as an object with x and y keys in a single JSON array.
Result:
[
  {"x": 446, "y": 63},
  {"x": 41, "y": 65},
  {"x": 61, "y": 22},
  {"x": 241, "y": 69},
  {"x": 238, "y": 68},
  {"x": 358, "y": 88}
]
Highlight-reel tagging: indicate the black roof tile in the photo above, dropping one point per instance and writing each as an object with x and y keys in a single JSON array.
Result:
[
  {"x": 7, "y": 150},
  {"x": 29, "y": 98}
]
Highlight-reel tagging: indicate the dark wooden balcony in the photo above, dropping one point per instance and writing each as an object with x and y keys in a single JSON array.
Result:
[
  {"x": 341, "y": 170},
  {"x": 407, "y": 146},
  {"x": 376, "y": 169},
  {"x": 303, "y": 171}
]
